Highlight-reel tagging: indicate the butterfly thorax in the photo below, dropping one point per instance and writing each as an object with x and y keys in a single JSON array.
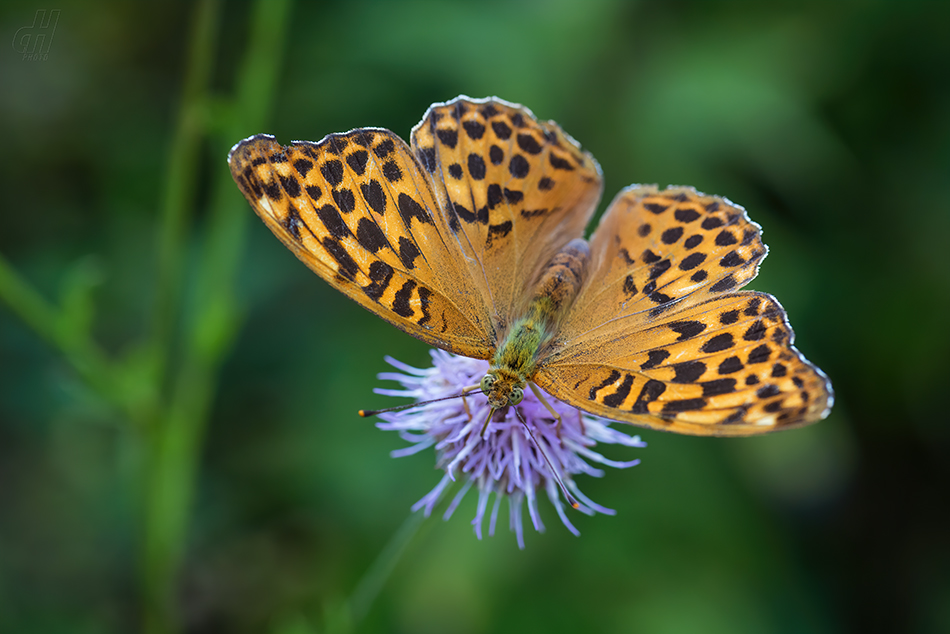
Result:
[{"x": 516, "y": 359}]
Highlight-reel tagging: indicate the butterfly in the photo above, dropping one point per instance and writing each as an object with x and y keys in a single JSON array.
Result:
[{"x": 471, "y": 240}]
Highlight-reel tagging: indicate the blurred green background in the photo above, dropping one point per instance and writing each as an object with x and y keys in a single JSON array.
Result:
[{"x": 179, "y": 449}]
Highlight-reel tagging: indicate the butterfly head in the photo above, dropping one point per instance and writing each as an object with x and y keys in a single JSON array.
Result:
[{"x": 503, "y": 387}]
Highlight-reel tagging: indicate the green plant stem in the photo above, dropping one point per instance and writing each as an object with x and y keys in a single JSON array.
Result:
[
  {"x": 50, "y": 324},
  {"x": 209, "y": 332},
  {"x": 375, "y": 578},
  {"x": 181, "y": 179},
  {"x": 347, "y": 617}
]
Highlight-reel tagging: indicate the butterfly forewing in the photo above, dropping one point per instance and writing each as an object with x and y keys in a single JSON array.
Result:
[
  {"x": 517, "y": 189},
  {"x": 658, "y": 336},
  {"x": 357, "y": 209}
]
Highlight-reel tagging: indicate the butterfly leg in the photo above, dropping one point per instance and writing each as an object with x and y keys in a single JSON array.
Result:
[
  {"x": 547, "y": 405},
  {"x": 466, "y": 390},
  {"x": 496, "y": 415}
]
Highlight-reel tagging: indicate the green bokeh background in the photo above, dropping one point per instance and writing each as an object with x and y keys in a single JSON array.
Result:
[{"x": 829, "y": 122}]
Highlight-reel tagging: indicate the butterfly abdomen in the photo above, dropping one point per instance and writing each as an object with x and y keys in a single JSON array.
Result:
[
  {"x": 554, "y": 292},
  {"x": 561, "y": 280}
]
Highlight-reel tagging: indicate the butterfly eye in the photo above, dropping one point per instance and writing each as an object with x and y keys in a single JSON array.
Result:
[
  {"x": 516, "y": 395},
  {"x": 487, "y": 381}
]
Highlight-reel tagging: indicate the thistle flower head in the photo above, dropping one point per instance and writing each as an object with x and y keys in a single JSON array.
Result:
[{"x": 502, "y": 458}]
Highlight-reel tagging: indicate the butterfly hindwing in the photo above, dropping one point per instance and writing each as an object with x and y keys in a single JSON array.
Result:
[
  {"x": 358, "y": 210},
  {"x": 659, "y": 335}
]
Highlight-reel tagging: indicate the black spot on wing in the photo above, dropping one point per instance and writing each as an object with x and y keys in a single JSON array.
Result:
[
  {"x": 345, "y": 200},
  {"x": 650, "y": 392},
  {"x": 408, "y": 252},
  {"x": 692, "y": 260},
  {"x": 337, "y": 143},
  {"x": 730, "y": 365},
  {"x": 498, "y": 231},
  {"x": 718, "y": 386},
  {"x": 614, "y": 375},
  {"x": 760, "y": 354},
  {"x": 424, "y": 295},
  {"x": 347, "y": 267},
  {"x": 273, "y": 190},
  {"x": 724, "y": 284},
  {"x": 401, "y": 300},
  {"x": 686, "y": 215},
  {"x": 729, "y": 317},
  {"x": 357, "y": 161},
  {"x": 623, "y": 391},
  {"x": 502, "y": 130},
  {"x": 659, "y": 268},
  {"x": 513, "y": 196},
  {"x": 518, "y": 166},
  {"x": 449, "y": 138},
  {"x": 731, "y": 259},
  {"x": 392, "y": 172},
  {"x": 718, "y": 343},
  {"x": 670, "y": 236},
  {"x": 687, "y": 329},
  {"x": 303, "y": 166},
  {"x": 725, "y": 238},
  {"x": 384, "y": 148},
  {"x": 768, "y": 390},
  {"x": 655, "y": 358},
  {"x": 755, "y": 332},
  {"x": 370, "y": 236},
  {"x": 374, "y": 195},
  {"x": 473, "y": 129},
  {"x": 476, "y": 166},
  {"x": 559, "y": 163},
  {"x": 496, "y": 154},
  {"x": 462, "y": 212},
  {"x": 688, "y": 371},
  {"x": 529, "y": 144},
  {"x": 494, "y": 194},
  {"x": 489, "y": 110},
  {"x": 409, "y": 209},
  {"x": 332, "y": 171},
  {"x": 380, "y": 275},
  {"x": 290, "y": 185},
  {"x": 684, "y": 405},
  {"x": 629, "y": 287}
]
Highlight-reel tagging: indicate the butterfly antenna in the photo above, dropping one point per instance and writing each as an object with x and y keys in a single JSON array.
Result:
[
  {"x": 567, "y": 496},
  {"x": 365, "y": 413}
]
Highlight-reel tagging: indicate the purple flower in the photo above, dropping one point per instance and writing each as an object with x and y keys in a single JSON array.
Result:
[{"x": 505, "y": 461}]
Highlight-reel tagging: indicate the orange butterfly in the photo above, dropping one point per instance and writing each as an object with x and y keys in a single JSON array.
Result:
[{"x": 471, "y": 240}]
